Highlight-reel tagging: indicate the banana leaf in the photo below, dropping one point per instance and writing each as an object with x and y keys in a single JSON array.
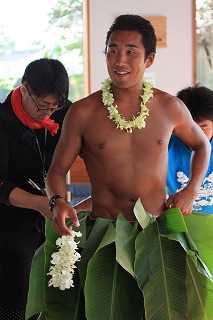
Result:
[
  {"x": 37, "y": 303},
  {"x": 106, "y": 289},
  {"x": 161, "y": 266},
  {"x": 200, "y": 288}
]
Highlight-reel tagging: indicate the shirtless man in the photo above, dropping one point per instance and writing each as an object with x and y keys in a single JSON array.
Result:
[{"x": 125, "y": 166}]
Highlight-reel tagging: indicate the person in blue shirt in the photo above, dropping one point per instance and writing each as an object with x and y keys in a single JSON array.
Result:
[{"x": 199, "y": 101}]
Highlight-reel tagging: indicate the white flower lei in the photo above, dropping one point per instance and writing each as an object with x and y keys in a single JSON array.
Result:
[
  {"x": 64, "y": 262},
  {"x": 121, "y": 122}
]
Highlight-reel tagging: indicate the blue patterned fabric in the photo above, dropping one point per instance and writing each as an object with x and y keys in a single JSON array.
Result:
[{"x": 179, "y": 174}]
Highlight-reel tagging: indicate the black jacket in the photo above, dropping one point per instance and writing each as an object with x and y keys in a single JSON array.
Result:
[{"x": 20, "y": 161}]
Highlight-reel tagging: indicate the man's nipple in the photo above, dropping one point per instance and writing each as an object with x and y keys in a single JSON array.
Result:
[
  {"x": 102, "y": 146},
  {"x": 159, "y": 141}
]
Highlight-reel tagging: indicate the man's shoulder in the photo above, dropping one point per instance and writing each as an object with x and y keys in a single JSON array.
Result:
[
  {"x": 173, "y": 108},
  {"x": 92, "y": 99},
  {"x": 165, "y": 99},
  {"x": 163, "y": 93},
  {"x": 83, "y": 110}
]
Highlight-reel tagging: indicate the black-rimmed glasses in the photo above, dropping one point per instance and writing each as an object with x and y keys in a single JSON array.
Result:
[{"x": 37, "y": 106}]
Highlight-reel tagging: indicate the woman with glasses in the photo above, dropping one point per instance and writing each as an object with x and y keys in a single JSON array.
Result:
[{"x": 30, "y": 123}]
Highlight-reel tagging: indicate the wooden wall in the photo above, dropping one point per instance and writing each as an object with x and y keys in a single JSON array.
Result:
[{"x": 78, "y": 172}]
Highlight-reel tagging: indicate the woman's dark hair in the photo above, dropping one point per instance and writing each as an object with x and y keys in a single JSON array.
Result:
[
  {"x": 199, "y": 101},
  {"x": 131, "y": 22},
  {"x": 47, "y": 76}
]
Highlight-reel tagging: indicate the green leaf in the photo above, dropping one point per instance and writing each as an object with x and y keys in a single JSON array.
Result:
[
  {"x": 60, "y": 304},
  {"x": 108, "y": 237},
  {"x": 199, "y": 294},
  {"x": 125, "y": 243},
  {"x": 171, "y": 223},
  {"x": 160, "y": 272},
  {"x": 36, "y": 291},
  {"x": 91, "y": 243},
  {"x": 106, "y": 289},
  {"x": 200, "y": 288},
  {"x": 144, "y": 218},
  {"x": 200, "y": 228},
  {"x": 164, "y": 258}
]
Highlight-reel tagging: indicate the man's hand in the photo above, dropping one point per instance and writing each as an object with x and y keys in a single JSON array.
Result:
[
  {"x": 183, "y": 200},
  {"x": 61, "y": 211}
]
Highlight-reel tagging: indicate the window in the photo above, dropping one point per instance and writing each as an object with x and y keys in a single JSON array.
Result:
[
  {"x": 31, "y": 30},
  {"x": 204, "y": 43}
]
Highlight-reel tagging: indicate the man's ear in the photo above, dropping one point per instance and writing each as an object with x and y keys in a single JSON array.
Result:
[
  {"x": 150, "y": 59},
  {"x": 23, "y": 90}
]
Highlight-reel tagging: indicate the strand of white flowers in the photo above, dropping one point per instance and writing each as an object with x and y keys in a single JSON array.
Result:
[
  {"x": 121, "y": 123},
  {"x": 64, "y": 262}
]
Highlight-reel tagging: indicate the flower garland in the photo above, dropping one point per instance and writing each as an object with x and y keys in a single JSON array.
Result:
[
  {"x": 121, "y": 122},
  {"x": 64, "y": 262}
]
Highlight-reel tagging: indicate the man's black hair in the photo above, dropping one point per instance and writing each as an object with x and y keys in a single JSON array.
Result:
[
  {"x": 132, "y": 22},
  {"x": 199, "y": 101},
  {"x": 47, "y": 76}
]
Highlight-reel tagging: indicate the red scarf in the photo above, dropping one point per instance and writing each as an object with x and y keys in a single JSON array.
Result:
[{"x": 22, "y": 115}]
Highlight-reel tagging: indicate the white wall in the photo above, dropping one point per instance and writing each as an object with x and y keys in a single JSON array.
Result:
[{"x": 173, "y": 66}]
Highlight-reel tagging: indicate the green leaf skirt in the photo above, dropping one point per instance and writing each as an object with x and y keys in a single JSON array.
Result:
[{"x": 153, "y": 269}]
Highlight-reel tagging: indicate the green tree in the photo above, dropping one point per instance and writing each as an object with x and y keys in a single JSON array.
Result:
[
  {"x": 64, "y": 42},
  {"x": 6, "y": 45},
  {"x": 67, "y": 18},
  {"x": 204, "y": 18}
]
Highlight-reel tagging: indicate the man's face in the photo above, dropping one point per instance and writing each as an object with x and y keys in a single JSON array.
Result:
[
  {"x": 125, "y": 58},
  {"x": 207, "y": 127},
  {"x": 38, "y": 108}
]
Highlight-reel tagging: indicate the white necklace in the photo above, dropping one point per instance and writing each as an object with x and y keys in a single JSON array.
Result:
[{"x": 123, "y": 124}]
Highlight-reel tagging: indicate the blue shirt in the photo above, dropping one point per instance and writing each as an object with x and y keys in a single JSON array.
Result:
[{"x": 179, "y": 174}]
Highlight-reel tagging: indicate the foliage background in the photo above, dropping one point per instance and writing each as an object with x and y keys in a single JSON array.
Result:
[
  {"x": 63, "y": 40},
  {"x": 204, "y": 20}
]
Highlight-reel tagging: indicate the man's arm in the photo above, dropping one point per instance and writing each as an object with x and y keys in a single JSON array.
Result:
[
  {"x": 66, "y": 151},
  {"x": 194, "y": 138},
  {"x": 23, "y": 199}
]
